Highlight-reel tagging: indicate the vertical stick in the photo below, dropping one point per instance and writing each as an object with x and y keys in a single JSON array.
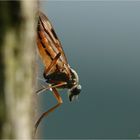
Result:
[{"x": 17, "y": 56}]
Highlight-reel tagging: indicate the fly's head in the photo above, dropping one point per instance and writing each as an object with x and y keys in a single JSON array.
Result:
[{"x": 75, "y": 90}]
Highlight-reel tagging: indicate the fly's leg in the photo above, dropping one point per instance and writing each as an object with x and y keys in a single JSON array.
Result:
[
  {"x": 59, "y": 99},
  {"x": 50, "y": 87}
]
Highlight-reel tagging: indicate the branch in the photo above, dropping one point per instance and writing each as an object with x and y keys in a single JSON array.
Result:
[{"x": 17, "y": 59}]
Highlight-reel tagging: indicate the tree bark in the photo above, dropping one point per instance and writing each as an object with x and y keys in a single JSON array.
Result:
[{"x": 17, "y": 70}]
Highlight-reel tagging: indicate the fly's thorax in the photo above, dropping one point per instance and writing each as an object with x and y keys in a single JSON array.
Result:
[
  {"x": 72, "y": 82},
  {"x": 56, "y": 77},
  {"x": 60, "y": 76}
]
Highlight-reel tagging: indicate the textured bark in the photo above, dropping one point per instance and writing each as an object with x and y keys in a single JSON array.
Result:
[{"x": 17, "y": 70}]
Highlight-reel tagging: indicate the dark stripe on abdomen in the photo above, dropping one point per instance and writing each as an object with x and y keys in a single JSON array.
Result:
[{"x": 43, "y": 45}]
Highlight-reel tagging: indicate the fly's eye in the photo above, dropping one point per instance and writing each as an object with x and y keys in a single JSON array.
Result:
[{"x": 74, "y": 92}]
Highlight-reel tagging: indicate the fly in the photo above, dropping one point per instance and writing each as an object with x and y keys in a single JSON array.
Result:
[{"x": 57, "y": 72}]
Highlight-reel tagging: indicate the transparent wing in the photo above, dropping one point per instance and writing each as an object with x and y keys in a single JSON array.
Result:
[{"x": 49, "y": 45}]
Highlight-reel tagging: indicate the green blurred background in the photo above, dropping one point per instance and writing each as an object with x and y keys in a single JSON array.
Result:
[{"x": 102, "y": 43}]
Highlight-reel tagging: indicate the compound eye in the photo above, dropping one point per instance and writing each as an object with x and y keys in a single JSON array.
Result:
[{"x": 75, "y": 92}]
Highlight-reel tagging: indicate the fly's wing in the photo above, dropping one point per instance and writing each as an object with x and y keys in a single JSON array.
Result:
[{"x": 49, "y": 45}]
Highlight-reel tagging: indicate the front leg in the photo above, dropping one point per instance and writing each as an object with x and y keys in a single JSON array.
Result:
[{"x": 50, "y": 87}]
